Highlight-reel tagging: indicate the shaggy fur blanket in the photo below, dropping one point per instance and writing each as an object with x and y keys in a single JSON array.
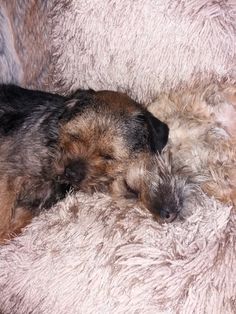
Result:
[
  {"x": 140, "y": 47},
  {"x": 90, "y": 254},
  {"x": 144, "y": 47}
]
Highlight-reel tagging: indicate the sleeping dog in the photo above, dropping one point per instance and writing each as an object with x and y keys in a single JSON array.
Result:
[{"x": 87, "y": 141}]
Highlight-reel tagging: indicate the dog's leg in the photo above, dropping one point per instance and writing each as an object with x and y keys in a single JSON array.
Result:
[
  {"x": 22, "y": 217},
  {"x": 7, "y": 201},
  {"x": 218, "y": 159},
  {"x": 11, "y": 219}
]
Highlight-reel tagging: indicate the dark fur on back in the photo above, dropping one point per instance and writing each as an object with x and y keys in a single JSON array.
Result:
[{"x": 50, "y": 143}]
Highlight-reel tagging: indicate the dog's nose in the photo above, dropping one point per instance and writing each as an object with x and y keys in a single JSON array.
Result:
[{"x": 168, "y": 215}]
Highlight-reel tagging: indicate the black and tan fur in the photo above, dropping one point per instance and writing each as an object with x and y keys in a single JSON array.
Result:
[{"x": 50, "y": 143}]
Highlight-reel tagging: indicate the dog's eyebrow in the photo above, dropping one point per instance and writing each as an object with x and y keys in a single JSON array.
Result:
[{"x": 107, "y": 156}]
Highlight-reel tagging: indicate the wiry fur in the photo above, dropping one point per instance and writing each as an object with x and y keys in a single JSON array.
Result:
[
  {"x": 132, "y": 264},
  {"x": 87, "y": 141},
  {"x": 119, "y": 258},
  {"x": 93, "y": 254},
  {"x": 203, "y": 136}
]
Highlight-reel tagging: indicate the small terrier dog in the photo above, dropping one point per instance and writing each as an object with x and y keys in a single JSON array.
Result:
[
  {"x": 202, "y": 137},
  {"x": 89, "y": 141}
]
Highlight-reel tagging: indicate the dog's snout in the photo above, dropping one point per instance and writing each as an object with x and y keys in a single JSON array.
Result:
[
  {"x": 168, "y": 215},
  {"x": 162, "y": 211}
]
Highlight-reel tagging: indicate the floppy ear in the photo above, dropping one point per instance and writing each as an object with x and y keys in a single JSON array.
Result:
[{"x": 158, "y": 133}]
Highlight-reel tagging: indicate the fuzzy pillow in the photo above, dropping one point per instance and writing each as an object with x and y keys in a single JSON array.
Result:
[
  {"x": 140, "y": 47},
  {"x": 143, "y": 47},
  {"x": 90, "y": 255}
]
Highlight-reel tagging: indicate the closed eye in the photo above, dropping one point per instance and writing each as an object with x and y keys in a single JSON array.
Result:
[
  {"x": 107, "y": 157},
  {"x": 131, "y": 193}
]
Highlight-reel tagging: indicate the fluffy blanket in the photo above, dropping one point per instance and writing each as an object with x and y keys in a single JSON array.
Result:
[
  {"x": 143, "y": 47},
  {"x": 93, "y": 255},
  {"x": 90, "y": 254},
  {"x": 140, "y": 47}
]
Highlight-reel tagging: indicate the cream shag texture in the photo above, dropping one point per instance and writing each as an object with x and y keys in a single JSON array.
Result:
[
  {"x": 90, "y": 255},
  {"x": 143, "y": 47}
]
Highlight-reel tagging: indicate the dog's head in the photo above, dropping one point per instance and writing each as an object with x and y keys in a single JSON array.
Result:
[{"x": 101, "y": 134}]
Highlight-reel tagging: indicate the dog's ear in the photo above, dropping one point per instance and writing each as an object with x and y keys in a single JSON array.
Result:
[
  {"x": 158, "y": 132},
  {"x": 76, "y": 103}
]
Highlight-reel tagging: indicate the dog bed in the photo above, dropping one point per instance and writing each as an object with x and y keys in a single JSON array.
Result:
[
  {"x": 143, "y": 47},
  {"x": 89, "y": 254},
  {"x": 140, "y": 47}
]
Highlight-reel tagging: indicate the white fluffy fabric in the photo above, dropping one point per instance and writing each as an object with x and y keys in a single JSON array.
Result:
[
  {"x": 10, "y": 67},
  {"x": 96, "y": 256},
  {"x": 89, "y": 254},
  {"x": 143, "y": 47}
]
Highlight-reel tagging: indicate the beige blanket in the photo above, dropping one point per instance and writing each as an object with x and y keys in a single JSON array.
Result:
[{"x": 89, "y": 254}]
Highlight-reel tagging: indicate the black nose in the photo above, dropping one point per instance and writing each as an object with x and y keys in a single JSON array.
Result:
[{"x": 168, "y": 215}]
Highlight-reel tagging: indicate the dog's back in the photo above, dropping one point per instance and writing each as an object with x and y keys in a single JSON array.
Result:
[
  {"x": 88, "y": 141},
  {"x": 19, "y": 106},
  {"x": 28, "y": 129}
]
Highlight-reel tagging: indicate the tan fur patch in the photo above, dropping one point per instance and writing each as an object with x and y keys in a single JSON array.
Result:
[
  {"x": 202, "y": 135},
  {"x": 94, "y": 141}
]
